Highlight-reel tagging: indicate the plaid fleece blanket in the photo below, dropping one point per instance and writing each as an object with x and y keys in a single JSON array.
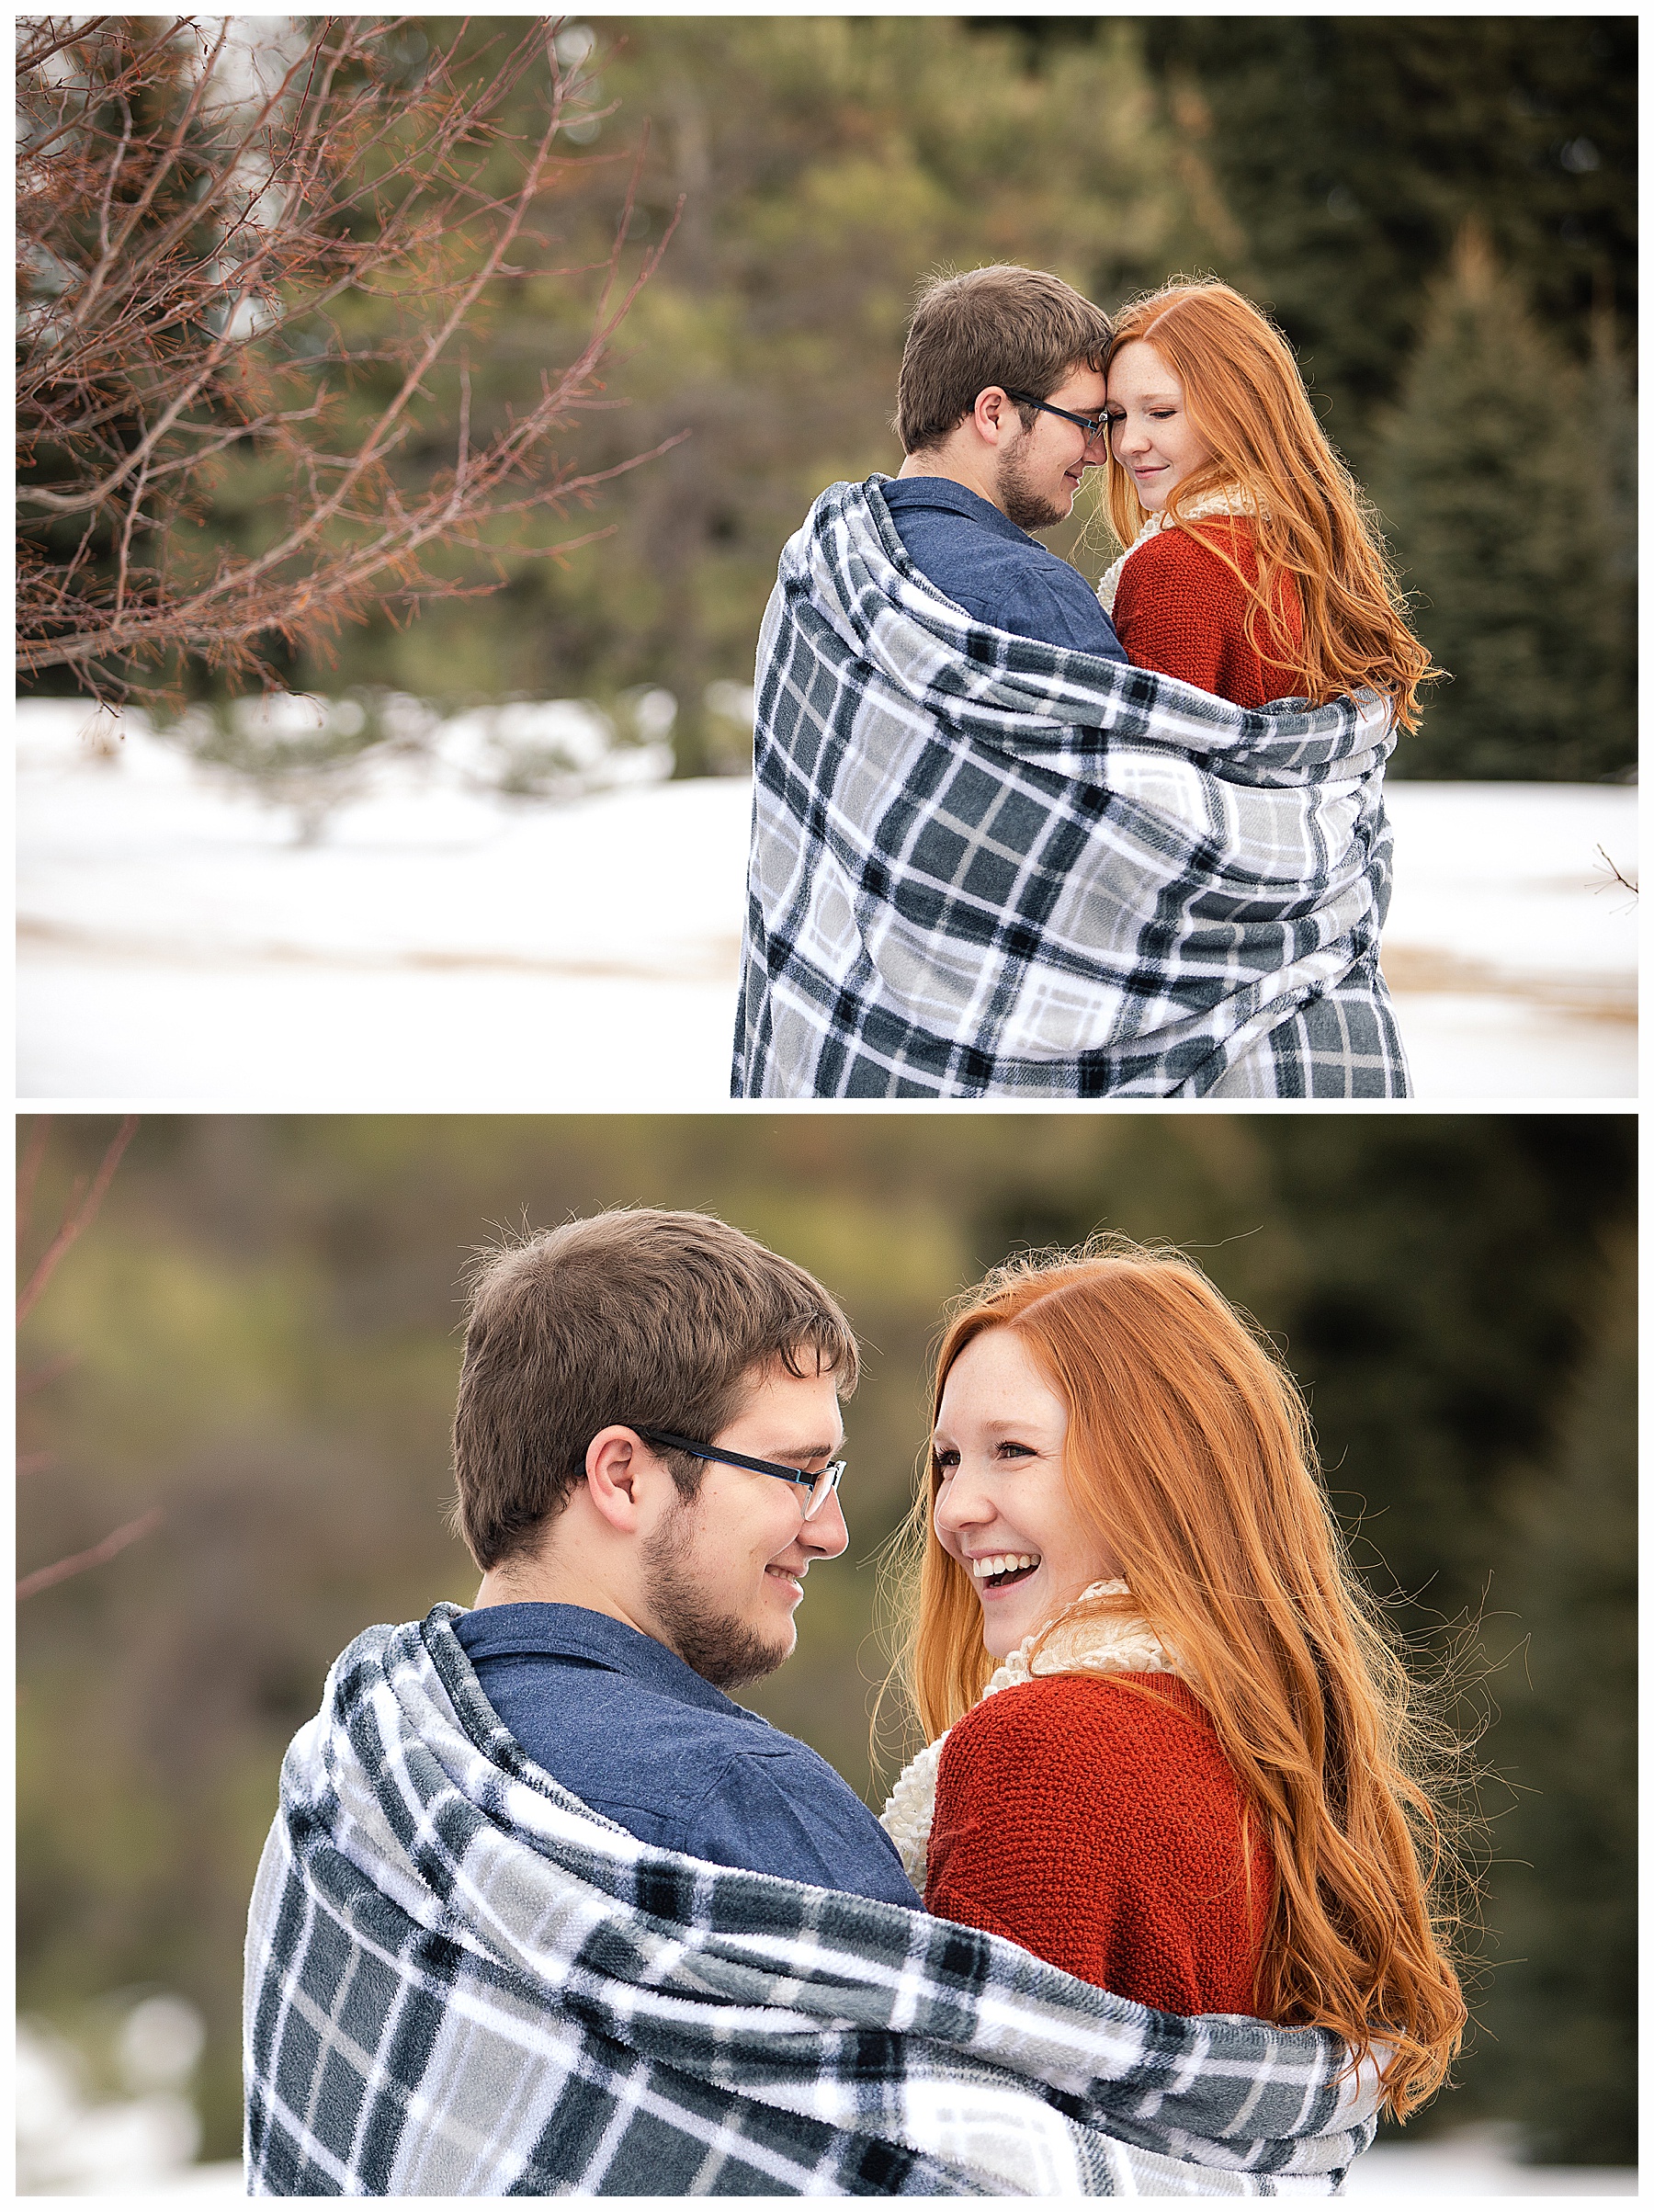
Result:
[
  {"x": 982, "y": 866},
  {"x": 462, "y": 1981}
]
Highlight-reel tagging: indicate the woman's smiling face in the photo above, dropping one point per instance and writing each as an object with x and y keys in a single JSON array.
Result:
[
  {"x": 1003, "y": 1508},
  {"x": 1150, "y": 433}
]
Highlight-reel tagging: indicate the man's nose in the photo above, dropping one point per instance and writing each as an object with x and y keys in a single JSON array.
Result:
[{"x": 826, "y": 1533}]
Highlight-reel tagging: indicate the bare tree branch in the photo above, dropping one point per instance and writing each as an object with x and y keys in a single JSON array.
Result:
[
  {"x": 296, "y": 276},
  {"x": 44, "y": 1578},
  {"x": 1618, "y": 874},
  {"x": 48, "y": 1371},
  {"x": 28, "y": 1171},
  {"x": 78, "y": 1215},
  {"x": 74, "y": 1221}
]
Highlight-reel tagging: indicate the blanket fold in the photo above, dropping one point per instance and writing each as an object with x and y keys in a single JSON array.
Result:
[
  {"x": 984, "y": 866},
  {"x": 462, "y": 1981}
]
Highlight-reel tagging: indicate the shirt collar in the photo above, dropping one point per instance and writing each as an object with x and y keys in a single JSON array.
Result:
[
  {"x": 956, "y": 498},
  {"x": 575, "y": 1632}
]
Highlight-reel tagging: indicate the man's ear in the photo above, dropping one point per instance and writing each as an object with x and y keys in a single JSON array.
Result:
[
  {"x": 618, "y": 1468},
  {"x": 994, "y": 416}
]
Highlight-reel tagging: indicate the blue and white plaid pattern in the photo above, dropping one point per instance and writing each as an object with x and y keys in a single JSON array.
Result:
[
  {"x": 986, "y": 866},
  {"x": 1340, "y": 1044},
  {"x": 462, "y": 1981}
]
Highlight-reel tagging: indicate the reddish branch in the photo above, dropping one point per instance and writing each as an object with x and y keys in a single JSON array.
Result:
[
  {"x": 43, "y": 1578},
  {"x": 287, "y": 274},
  {"x": 76, "y": 1219},
  {"x": 79, "y": 1213}
]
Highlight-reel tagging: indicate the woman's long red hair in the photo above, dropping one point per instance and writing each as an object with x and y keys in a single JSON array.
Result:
[
  {"x": 1315, "y": 529},
  {"x": 1190, "y": 1450}
]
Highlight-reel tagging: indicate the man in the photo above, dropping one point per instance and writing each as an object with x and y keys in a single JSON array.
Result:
[
  {"x": 999, "y": 411},
  {"x": 628, "y": 1582}
]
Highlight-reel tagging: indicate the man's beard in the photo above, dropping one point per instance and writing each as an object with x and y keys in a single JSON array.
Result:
[
  {"x": 1022, "y": 501},
  {"x": 721, "y": 1649}
]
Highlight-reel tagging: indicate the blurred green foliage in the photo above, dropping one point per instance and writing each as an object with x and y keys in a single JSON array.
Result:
[
  {"x": 1537, "y": 625},
  {"x": 1325, "y": 165},
  {"x": 1350, "y": 152},
  {"x": 263, "y": 1332},
  {"x": 1562, "y": 2030}
]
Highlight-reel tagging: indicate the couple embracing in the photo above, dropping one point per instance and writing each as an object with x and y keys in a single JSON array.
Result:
[
  {"x": 545, "y": 1912},
  {"x": 1011, "y": 837}
]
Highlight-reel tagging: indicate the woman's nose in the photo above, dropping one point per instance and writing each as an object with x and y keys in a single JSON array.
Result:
[{"x": 960, "y": 1505}]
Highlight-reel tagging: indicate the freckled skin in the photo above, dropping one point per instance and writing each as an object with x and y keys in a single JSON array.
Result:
[
  {"x": 1000, "y": 1441},
  {"x": 1149, "y": 431}
]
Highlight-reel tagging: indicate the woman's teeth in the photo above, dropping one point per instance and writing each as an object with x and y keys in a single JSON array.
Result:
[{"x": 1001, "y": 1563}]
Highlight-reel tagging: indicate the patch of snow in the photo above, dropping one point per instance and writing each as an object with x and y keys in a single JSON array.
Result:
[
  {"x": 1477, "y": 2161},
  {"x": 1510, "y": 949},
  {"x": 446, "y": 947},
  {"x": 72, "y": 2144}
]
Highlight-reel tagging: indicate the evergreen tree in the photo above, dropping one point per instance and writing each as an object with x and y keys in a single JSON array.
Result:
[
  {"x": 1561, "y": 2003},
  {"x": 1498, "y": 475},
  {"x": 1611, "y": 424},
  {"x": 1349, "y": 151}
]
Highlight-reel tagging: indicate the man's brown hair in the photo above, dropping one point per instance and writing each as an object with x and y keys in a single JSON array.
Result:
[
  {"x": 652, "y": 1320},
  {"x": 1022, "y": 329}
]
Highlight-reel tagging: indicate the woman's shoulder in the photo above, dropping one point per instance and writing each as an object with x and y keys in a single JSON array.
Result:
[
  {"x": 1172, "y": 551},
  {"x": 1146, "y": 1717},
  {"x": 1122, "y": 1754}
]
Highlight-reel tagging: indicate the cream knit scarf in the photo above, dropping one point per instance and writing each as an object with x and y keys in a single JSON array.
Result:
[
  {"x": 1225, "y": 500},
  {"x": 1120, "y": 1645}
]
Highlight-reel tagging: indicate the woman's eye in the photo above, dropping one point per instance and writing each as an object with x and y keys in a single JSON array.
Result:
[
  {"x": 947, "y": 1461},
  {"x": 1015, "y": 1451}
]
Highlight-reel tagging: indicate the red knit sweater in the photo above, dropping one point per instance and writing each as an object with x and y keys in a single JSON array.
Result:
[
  {"x": 1181, "y": 612},
  {"x": 1101, "y": 1832}
]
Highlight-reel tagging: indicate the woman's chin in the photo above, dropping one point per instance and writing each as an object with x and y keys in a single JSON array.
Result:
[{"x": 1003, "y": 1628}]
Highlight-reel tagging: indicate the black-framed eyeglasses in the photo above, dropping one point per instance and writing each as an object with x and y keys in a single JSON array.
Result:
[
  {"x": 820, "y": 1485},
  {"x": 1094, "y": 425}
]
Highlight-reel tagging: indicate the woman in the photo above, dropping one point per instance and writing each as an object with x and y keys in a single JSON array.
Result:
[
  {"x": 1192, "y": 1778},
  {"x": 1253, "y": 569}
]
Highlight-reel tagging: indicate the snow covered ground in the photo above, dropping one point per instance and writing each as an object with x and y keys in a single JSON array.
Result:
[
  {"x": 1475, "y": 2162},
  {"x": 444, "y": 947}
]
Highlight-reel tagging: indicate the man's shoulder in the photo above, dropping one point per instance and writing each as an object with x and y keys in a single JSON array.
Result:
[
  {"x": 942, "y": 503},
  {"x": 954, "y": 529},
  {"x": 598, "y": 1666}
]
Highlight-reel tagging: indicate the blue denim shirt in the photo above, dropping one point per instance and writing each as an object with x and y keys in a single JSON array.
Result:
[
  {"x": 979, "y": 559},
  {"x": 620, "y": 1720}
]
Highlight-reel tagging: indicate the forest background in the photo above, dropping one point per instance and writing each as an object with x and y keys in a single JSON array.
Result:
[
  {"x": 257, "y": 1339},
  {"x": 1440, "y": 211}
]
